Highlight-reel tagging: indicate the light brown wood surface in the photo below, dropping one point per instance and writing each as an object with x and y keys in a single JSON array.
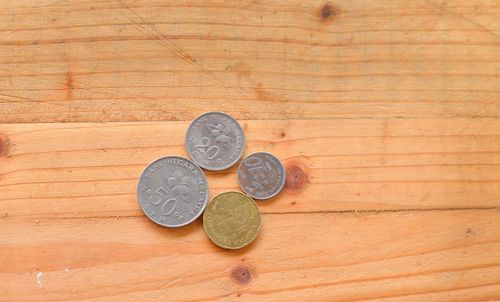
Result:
[{"x": 385, "y": 114}]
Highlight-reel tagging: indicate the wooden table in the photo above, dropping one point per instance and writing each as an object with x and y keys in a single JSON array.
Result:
[{"x": 385, "y": 114}]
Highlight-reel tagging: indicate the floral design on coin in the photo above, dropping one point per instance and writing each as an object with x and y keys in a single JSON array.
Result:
[
  {"x": 232, "y": 220},
  {"x": 179, "y": 185},
  {"x": 220, "y": 133},
  {"x": 172, "y": 191},
  {"x": 261, "y": 175},
  {"x": 215, "y": 141}
]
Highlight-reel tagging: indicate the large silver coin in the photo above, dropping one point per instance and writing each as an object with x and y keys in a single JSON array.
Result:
[
  {"x": 172, "y": 191},
  {"x": 261, "y": 175},
  {"x": 215, "y": 141}
]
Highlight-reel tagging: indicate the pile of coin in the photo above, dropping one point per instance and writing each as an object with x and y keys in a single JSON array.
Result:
[{"x": 173, "y": 190}]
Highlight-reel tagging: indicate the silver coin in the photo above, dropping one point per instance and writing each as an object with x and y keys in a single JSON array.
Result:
[
  {"x": 215, "y": 141},
  {"x": 172, "y": 191},
  {"x": 261, "y": 175}
]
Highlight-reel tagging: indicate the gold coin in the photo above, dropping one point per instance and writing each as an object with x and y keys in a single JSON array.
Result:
[{"x": 231, "y": 220}]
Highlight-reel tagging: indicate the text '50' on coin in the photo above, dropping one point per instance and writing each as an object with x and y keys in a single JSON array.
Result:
[
  {"x": 215, "y": 141},
  {"x": 261, "y": 175},
  {"x": 172, "y": 191},
  {"x": 231, "y": 220}
]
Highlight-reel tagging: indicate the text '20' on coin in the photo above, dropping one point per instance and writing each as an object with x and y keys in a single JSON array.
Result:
[
  {"x": 232, "y": 220},
  {"x": 261, "y": 175},
  {"x": 215, "y": 141},
  {"x": 172, "y": 191}
]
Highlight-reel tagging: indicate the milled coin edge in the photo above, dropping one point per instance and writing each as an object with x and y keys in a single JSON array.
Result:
[
  {"x": 177, "y": 225},
  {"x": 258, "y": 227}
]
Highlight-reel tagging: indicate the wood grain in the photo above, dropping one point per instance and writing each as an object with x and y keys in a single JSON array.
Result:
[
  {"x": 404, "y": 256},
  {"x": 385, "y": 114},
  {"x": 67, "y": 170},
  {"x": 162, "y": 60}
]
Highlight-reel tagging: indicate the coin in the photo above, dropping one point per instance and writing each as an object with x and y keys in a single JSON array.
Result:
[
  {"x": 261, "y": 175},
  {"x": 231, "y": 220},
  {"x": 172, "y": 191},
  {"x": 215, "y": 141}
]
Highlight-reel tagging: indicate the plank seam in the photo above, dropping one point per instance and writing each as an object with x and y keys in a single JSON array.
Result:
[{"x": 355, "y": 212}]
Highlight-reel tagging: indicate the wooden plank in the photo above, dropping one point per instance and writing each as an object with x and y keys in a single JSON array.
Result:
[
  {"x": 168, "y": 60},
  {"x": 408, "y": 255},
  {"x": 385, "y": 113},
  {"x": 89, "y": 170}
]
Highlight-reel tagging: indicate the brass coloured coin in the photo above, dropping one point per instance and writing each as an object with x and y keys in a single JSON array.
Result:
[{"x": 231, "y": 220}]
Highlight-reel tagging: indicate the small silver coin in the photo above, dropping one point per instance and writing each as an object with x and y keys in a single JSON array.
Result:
[
  {"x": 172, "y": 191},
  {"x": 215, "y": 141},
  {"x": 261, "y": 175}
]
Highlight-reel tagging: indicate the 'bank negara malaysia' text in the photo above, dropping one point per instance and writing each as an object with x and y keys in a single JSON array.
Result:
[{"x": 158, "y": 198}]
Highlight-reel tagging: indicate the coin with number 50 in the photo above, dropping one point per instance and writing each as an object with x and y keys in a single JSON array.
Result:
[
  {"x": 172, "y": 191},
  {"x": 232, "y": 220}
]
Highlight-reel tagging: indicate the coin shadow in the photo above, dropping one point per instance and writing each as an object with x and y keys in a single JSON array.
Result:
[
  {"x": 271, "y": 200},
  {"x": 179, "y": 232},
  {"x": 266, "y": 205},
  {"x": 241, "y": 251}
]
